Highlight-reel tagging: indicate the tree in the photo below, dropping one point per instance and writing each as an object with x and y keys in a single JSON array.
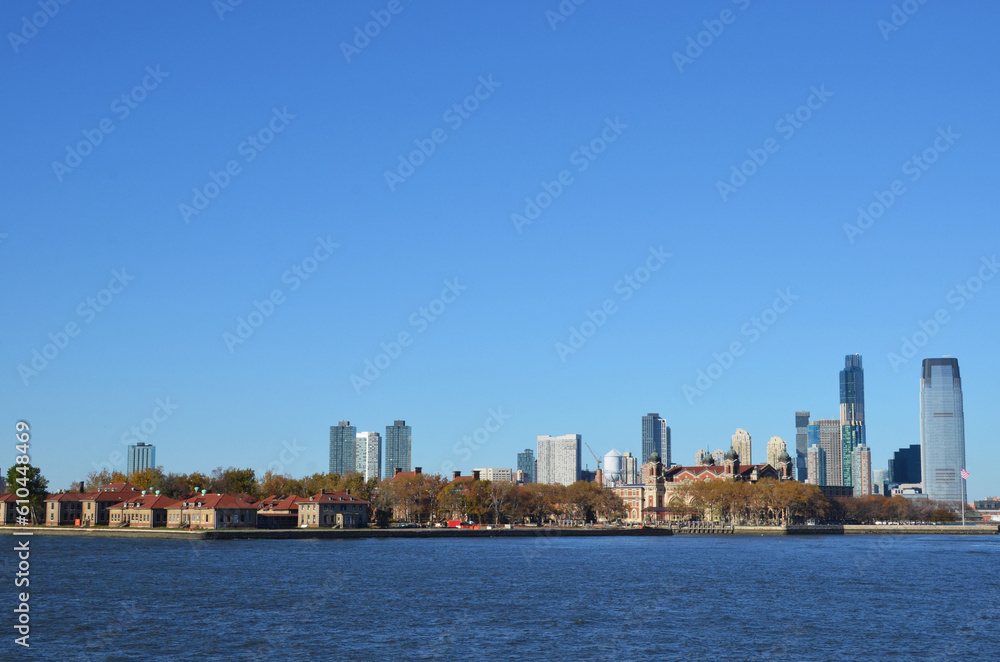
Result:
[
  {"x": 27, "y": 483},
  {"x": 148, "y": 479},
  {"x": 233, "y": 480}
]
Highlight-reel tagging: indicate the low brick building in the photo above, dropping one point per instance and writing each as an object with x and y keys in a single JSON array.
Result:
[
  {"x": 8, "y": 508},
  {"x": 144, "y": 511},
  {"x": 212, "y": 511},
  {"x": 334, "y": 510},
  {"x": 278, "y": 512}
]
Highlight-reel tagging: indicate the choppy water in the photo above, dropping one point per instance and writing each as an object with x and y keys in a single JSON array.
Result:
[{"x": 684, "y": 597}]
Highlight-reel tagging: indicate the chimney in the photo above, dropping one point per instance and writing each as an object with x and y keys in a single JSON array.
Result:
[
  {"x": 475, "y": 474},
  {"x": 322, "y": 490},
  {"x": 416, "y": 470},
  {"x": 456, "y": 474},
  {"x": 396, "y": 472},
  {"x": 81, "y": 485}
]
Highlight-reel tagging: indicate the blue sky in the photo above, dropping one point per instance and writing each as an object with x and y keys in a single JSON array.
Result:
[{"x": 309, "y": 134}]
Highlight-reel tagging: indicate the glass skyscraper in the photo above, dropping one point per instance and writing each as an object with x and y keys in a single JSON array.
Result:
[
  {"x": 526, "y": 463},
  {"x": 850, "y": 438},
  {"x": 942, "y": 430},
  {"x": 801, "y": 445},
  {"x": 852, "y": 394},
  {"x": 141, "y": 456},
  {"x": 398, "y": 442},
  {"x": 343, "y": 439},
  {"x": 904, "y": 467},
  {"x": 655, "y": 437}
]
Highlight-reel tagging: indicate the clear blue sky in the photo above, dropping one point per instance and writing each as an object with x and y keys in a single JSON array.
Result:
[{"x": 884, "y": 96}]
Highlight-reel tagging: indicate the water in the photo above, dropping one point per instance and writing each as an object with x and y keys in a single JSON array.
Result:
[{"x": 683, "y": 597}]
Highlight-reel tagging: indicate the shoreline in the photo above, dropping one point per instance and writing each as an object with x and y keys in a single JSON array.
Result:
[{"x": 520, "y": 532}]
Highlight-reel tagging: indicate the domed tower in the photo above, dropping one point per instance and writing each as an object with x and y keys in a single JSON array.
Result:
[
  {"x": 785, "y": 466},
  {"x": 732, "y": 462}
]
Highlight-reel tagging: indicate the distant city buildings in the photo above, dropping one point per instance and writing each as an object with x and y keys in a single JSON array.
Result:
[
  {"x": 852, "y": 395},
  {"x": 559, "y": 459},
  {"x": 850, "y": 438},
  {"x": 700, "y": 457},
  {"x": 826, "y": 433},
  {"x": 655, "y": 437},
  {"x": 141, "y": 456},
  {"x": 718, "y": 455},
  {"x": 368, "y": 455},
  {"x": 398, "y": 444},
  {"x": 343, "y": 442},
  {"x": 801, "y": 445},
  {"x": 942, "y": 430},
  {"x": 630, "y": 469},
  {"x": 775, "y": 448},
  {"x": 904, "y": 467},
  {"x": 495, "y": 475},
  {"x": 526, "y": 464},
  {"x": 861, "y": 470},
  {"x": 741, "y": 444},
  {"x": 816, "y": 464}
]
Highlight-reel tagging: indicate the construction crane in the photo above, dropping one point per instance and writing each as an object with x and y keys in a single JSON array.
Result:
[{"x": 594, "y": 454}]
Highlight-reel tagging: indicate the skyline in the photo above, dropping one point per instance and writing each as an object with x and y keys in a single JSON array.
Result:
[{"x": 230, "y": 335}]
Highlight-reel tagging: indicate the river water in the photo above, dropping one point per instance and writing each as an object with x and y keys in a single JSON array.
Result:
[{"x": 667, "y": 598}]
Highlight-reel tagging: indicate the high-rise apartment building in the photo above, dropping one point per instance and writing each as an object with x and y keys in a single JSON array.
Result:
[
  {"x": 741, "y": 444},
  {"x": 368, "y": 455},
  {"x": 852, "y": 393},
  {"x": 851, "y": 436},
  {"x": 904, "y": 467},
  {"x": 942, "y": 430},
  {"x": 526, "y": 463},
  {"x": 801, "y": 445},
  {"x": 719, "y": 456},
  {"x": 775, "y": 448},
  {"x": 826, "y": 434},
  {"x": 141, "y": 456},
  {"x": 655, "y": 437},
  {"x": 700, "y": 455},
  {"x": 861, "y": 470},
  {"x": 816, "y": 462},
  {"x": 343, "y": 443},
  {"x": 559, "y": 459},
  {"x": 398, "y": 444},
  {"x": 630, "y": 469}
]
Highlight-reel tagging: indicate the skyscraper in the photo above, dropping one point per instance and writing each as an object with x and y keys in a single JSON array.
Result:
[
  {"x": 719, "y": 456},
  {"x": 343, "y": 442},
  {"x": 801, "y": 445},
  {"x": 826, "y": 433},
  {"x": 630, "y": 469},
  {"x": 850, "y": 438},
  {"x": 942, "y": 430},
  {"x": 816, "y": 460},
  {"x": 861, "y": 470},
  {"x": 700, "y": 455},
  {"x": 775, "y": 448},
  {"x": 852, "y": 393},
  {"x": 741, "y": 444},
  {"x": 904, "y": 467},
  {"x": 398, "y": 443},
  {"x": 655, "y": 437},
  {"x": 559, "y": 459},
  {"x": 368, "y": 455},
  {"x": 140, "y": 456},
  {"x": 526, "y": 463}
]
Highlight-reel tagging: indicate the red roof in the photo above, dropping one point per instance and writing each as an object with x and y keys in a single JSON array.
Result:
[
  {"x": 214, "y": 501},
  {"x": 332, "y": 497},
  {"x": 66, "y": 496},
  {"x": 8, "y": 497},
  {"x": 275, "y": 502},
  {"x": 147, "y": 502}
]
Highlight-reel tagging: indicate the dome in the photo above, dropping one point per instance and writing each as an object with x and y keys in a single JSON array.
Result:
[
  {"x": 732, "y": 454},
  {"x": 654, "y": 457},
  {"x": 784, "y": 457}
]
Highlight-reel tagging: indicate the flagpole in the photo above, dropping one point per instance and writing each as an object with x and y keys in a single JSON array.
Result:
[{"x": 963, "y": 502}]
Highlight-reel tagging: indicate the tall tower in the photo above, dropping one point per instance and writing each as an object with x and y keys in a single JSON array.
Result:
[
  {"x": 368, "y": 455},
  {"x": 801, "y": 445},
  {"x": 817, "y": 464},
  {"x": 526, "y": 463},
  {"x": 851, "y": 437},
  {"x": 775, "y": 448},
  {"x": 343, "y": 443},
  {"x": 559, "y": 459},
  {"x": 398, "y": 443},
  {"x": 655, "y": 438},
  {"x": 741, "y": 444},
  {"x": 852, "y": 393},
  {"x": 942, "y": 430},
  {"x": 861, "y": 460},
  {"x": 140, "y": 456}
]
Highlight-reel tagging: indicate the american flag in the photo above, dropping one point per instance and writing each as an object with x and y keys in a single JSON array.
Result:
[{"x": 965, "y": 474}]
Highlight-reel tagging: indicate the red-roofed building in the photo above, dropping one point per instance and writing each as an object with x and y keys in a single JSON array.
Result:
[
  {"x": 144, "y": 511},
  {"x": 8, "y": 508},
  {"x": 63, "y": 508},
  {"x": 333, "y": 509},
  {"x": 278, "y": 512},
  {"x": 212, "y": 511},
  {"x": 96, "y": 504}
]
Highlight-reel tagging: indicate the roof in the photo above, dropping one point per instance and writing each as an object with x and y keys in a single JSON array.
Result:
[
  {"x": 149, "y": 501},
  {"x": 213, "y": 501},
  {"x": 275, "y": 502},
  {"x": 66, "y": 496},
  {"x": 332, "y": 497},
  {"x": 118, "y": 487}
]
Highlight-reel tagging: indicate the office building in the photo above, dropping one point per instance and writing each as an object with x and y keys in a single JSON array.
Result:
[
  {"x": 816, "y": 463},
  {"x": 826, "y": 434},
  {"x": 942, "y": 430},
  {"x": 801, "y": 445},
  {"x": 630, "y": 469},
  {"x": 343, "y": 442},
  {"x": 741, "y": 444},
  {"x": 526, "y": 463},
  {"x": 398, "y": 443},
  {"x": 775, "y": 448},
  {"x": 904, "y": 467},
  {"x": 850, "y": 438},
  {"x": 559, "y": 459},
  {"x": 655, "y": 438},
  {"x": 141, "y": 456},
  {"x": 368, "y": 455},
  {"x": 496, "y": 475},
  {"x": 861, "y": 470},
  {"x": 852, "y": 394}
]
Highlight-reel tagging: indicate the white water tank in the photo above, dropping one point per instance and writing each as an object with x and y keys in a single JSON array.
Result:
[{"x": 612, "y": 467}]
